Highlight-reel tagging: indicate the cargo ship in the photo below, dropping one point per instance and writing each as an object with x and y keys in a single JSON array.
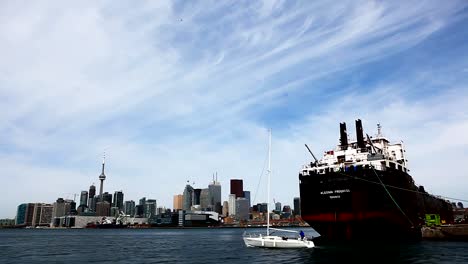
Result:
[{"x": 362, "y": 189}]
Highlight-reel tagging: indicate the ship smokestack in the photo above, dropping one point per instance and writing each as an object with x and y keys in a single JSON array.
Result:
[
  {"x": 360, "y": 135},
  {"x": 343, "y": 136}
]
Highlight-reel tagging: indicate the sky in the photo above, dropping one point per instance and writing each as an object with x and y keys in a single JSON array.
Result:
[{"x": 174, "y": 91}]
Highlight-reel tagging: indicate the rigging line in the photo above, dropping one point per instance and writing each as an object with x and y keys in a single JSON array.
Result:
[
  {"x": 389, "y": 194},
  {"x": 260, "y": 179},
  {"x": 403, "y": 189}
]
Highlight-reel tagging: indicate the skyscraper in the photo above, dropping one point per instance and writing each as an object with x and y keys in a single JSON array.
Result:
[
  {"x": 278, "y": 206},
  {"x": 196, "y": 196},
  {"x": 61, "y": 207},
  {"x": 118, "y": 200},
  {"x": 92, "y": 201},
  {"x": 84, "y": 198},
  {"x": 297, "y": 206},
  {"x": 92, "y": 191},
  {"x": 247, "y": 196},
  {"x": 178, "y": 198},
  {"x": 214, "y": 197},
  {"x": 237, "y": 187},
  {"x": 225, "y": 208},
  {"x": 205, "y": 199},
  {"x": 242, "y": 209},
  {"x": 232, "y": 204},
  {"x": 150, "y": 208},
  {"x": 188, "y": 194},
  {"x": 130, "y": 208}
]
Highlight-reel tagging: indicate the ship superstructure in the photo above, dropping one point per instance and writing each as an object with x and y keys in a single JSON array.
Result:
[{"x": 362, "y": 189}]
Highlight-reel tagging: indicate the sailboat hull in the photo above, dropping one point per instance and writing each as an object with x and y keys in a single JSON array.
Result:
[{"x": 277, "y": 242}]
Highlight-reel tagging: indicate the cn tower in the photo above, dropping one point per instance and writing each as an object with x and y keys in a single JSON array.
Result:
[{"x": 102, "y": 177}]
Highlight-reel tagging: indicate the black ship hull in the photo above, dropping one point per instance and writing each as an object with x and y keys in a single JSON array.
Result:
[{"x": 353, "y": 204}]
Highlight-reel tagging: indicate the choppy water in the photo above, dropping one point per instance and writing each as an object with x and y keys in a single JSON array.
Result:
[{"x": 202, "y": 246}]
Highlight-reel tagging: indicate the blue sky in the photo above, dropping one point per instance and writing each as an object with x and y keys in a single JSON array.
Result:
[{"x": 176, "y": 90}]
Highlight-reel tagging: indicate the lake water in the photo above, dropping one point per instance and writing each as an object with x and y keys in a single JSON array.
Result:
[{"x": 201, "y": 246}]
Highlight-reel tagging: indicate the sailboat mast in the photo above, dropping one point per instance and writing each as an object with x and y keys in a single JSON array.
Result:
[{"x": 269, "y": 174}]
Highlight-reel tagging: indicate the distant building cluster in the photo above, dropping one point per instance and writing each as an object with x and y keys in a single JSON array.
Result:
[{"x": 194, "y": 207}]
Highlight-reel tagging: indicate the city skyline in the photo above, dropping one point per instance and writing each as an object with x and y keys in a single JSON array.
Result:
[{"x": 174, "y": 91}]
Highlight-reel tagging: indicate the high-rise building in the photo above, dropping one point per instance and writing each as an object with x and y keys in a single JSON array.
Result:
[
  {"x": 205, "y": 199},
  {"x": 91, "y": 200},
  {"x": 225, "y": 208},
  {"x": 24, "y": 214},
  {"x": 297, "y": 206},
  {"x": 232, "y": 204},
  {"x": 196, "y": 196},
  {"x": 278, "y": 206},
  {"x": 247, "y": 196},
  {"x": 150, "y": 208},
  {"x": 107, "y": 197},
  {"x": 84, "y": 198},
  {"x": 188, "y": 195},
  {"x": 139, "y": 210},
  {"x": 237, "y": 187},
  {"x": 118, "y": 200},
  {"x": 242, "y": 209},
  {"x": 142, "y": 204},
  {"x": 129, "y": 208},
  {"x": 214, "y": 196},
  {"x": 178, "y": 198}
]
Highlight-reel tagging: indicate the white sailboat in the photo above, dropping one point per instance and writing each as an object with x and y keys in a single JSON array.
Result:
[{"x": 269, "y": 240}]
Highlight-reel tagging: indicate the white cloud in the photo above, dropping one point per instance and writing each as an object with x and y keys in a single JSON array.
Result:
[{"x": 175, "y": 92}]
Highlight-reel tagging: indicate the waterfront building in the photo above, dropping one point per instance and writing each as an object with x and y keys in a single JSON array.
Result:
[
  {"x": 242, "y": 209},
  {"x": 214, "y": 196},
  {"x": 61, "y": 207},
  {"x": 232, "y": 204},
  {"x": 42, "y": 215},
  {"x": 237, "y": 187},
  {"x": 297, "y": 206},
  {"x": 7, "y": 222},
  {"x": 24, "y": 214},
  {"x": 118, "y": 200},
  {"x": 196, "y": 196},
  {"x": 205, "y": 199},
  {"x": 225, "y": 209},
  {"x": 103, "y": 208},
  {"x": 177, "y": 205},
  {"x": 188, "y": 195},
  {"x": 129, "y": 208}
]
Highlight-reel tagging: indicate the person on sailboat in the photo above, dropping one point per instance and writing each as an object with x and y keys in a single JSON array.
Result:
[{"x": 302, "y": 235}]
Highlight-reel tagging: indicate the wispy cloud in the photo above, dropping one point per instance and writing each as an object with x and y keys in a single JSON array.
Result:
[{"x": 178, "y": 90}]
